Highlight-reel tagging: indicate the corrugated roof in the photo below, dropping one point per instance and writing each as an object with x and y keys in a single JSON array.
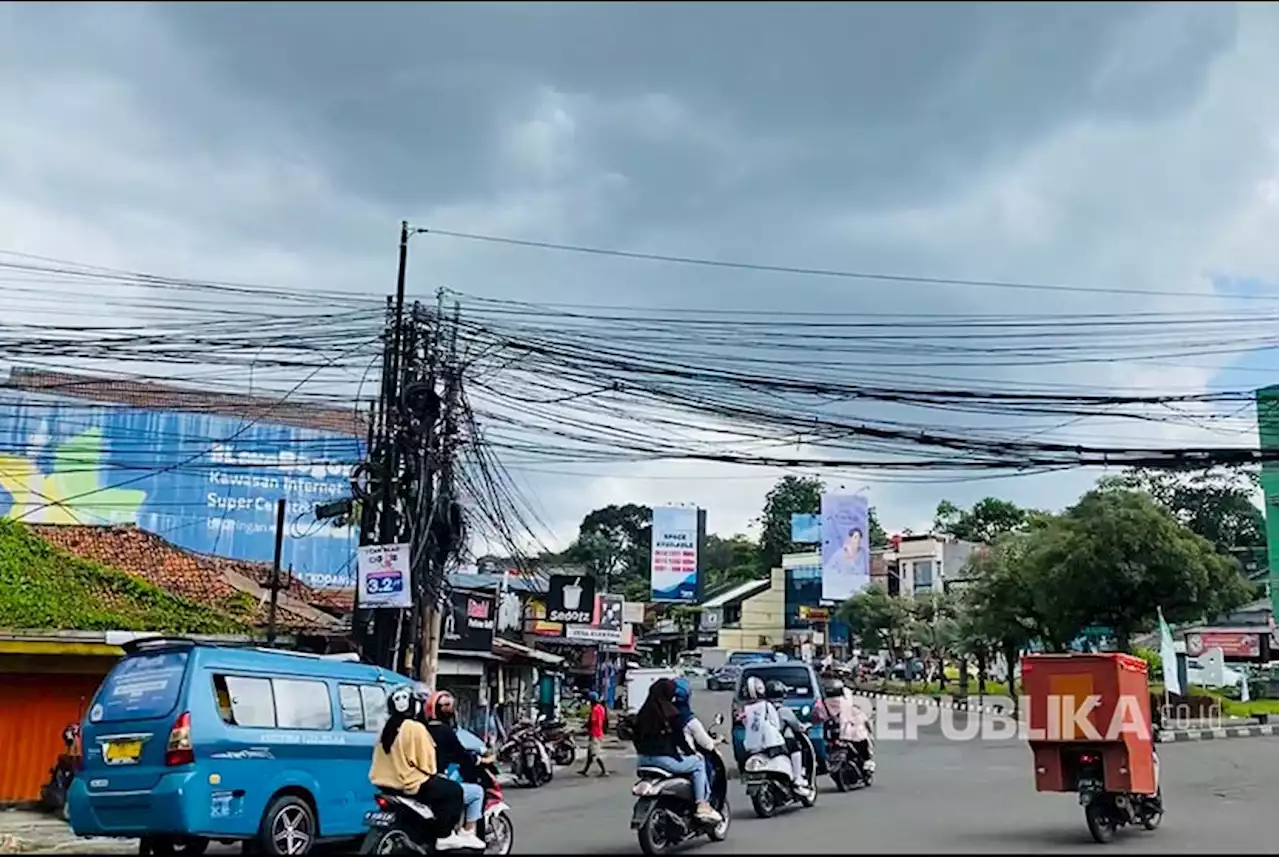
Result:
[
  {"x": 153, "y": 396},
  {"x": 739, "y": 592},
  {"x": 210, "y": 580}
]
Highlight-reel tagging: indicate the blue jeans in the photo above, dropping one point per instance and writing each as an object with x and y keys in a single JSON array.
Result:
[
  {"x": 692, "y": 765},
  {"x": 473, "y": 802}
]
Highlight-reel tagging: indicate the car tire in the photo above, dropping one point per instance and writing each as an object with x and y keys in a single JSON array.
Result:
[{"x": 288, "y": 827}]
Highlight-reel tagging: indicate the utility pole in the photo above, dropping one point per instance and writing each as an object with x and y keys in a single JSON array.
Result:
[
  {"x": 428, "y": 666},
  {"x": 275, "y": 572}
]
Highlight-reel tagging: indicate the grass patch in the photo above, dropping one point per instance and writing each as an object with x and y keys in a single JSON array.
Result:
[{"x": 42, "y": 587}]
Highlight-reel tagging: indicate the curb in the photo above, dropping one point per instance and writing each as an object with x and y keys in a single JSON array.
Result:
[
  {"x": 1213, "y": 734},
  {"x": 937, "y": 702}
]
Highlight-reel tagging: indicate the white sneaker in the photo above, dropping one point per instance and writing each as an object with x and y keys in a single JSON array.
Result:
[
  {"x": 452, "y": 842},
  {"x": 471, "y": 841}
]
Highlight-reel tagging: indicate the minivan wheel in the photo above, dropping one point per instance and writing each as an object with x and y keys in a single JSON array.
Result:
[{"x": 288, "y": 827}]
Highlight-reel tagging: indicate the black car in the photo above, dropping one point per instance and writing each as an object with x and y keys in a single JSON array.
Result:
[{"x": 725, "y": 677}]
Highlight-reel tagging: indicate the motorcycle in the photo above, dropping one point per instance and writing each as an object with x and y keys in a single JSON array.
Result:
[
  {"x": 403, "y": 825},
  {"x": 555, "y": 736},
  {"x": 524, "y": 751},
  {"x": 53, "y": 795},
  {"x": 1104, "y": 811},
  {"x": 664, "y": 813},
  {"x": 844, "y": 764},
  {"x": 770, "y": 784}
]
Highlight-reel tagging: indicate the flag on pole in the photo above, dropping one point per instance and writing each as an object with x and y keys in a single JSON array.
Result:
[
  {"x": 1244, "y": 688},
  {"x": 1168, "y": 657}
]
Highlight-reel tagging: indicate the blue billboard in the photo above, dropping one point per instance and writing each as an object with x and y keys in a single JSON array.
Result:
[{"x": 207, "y": 483}]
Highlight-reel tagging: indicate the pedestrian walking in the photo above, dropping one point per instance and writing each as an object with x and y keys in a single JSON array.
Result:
[{"x": 597, "y": 716}]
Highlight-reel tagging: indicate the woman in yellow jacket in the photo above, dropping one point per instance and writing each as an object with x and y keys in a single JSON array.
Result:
[{"x": 404, "y": 762}]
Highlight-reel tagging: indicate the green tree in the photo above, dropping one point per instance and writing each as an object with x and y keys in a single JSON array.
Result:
[
  {"x": 792, "y": 495},
  {"x": 988, "y": 519},
  {"x": 999, "y": 603},
  {"x": 1216, "y": 504},
  {"x": 876, "y": 619},
  {"x": 1117, "y": 556},
  {"x": 614, "y": 544},
  {"x": 728, "y": 561}
]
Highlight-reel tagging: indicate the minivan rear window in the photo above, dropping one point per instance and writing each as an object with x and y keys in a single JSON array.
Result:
[
  {"x": 140, "y": 688},
  {"x": 798, "y": 679}
]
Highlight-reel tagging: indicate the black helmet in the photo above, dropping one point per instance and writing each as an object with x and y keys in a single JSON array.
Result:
[
  {"x": 833, "y": 687},
  {"x": 775, "y": 690}
]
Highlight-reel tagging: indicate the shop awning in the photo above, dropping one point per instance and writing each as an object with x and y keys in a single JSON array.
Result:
[{"x": 507, "y": 647}]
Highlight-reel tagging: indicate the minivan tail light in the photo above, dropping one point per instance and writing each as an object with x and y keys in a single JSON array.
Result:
[{"x": 179, "y": 750}]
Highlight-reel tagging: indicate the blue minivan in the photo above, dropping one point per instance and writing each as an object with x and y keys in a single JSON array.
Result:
[
  {"x": 187, "y": 743},
  {"x": 803, "y": 691}
]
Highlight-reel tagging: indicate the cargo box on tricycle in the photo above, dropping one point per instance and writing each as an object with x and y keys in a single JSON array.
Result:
[{"x": 1086, "y": 711}]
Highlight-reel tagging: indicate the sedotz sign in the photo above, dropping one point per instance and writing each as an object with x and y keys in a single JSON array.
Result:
[{"x": 571, "y": 599}]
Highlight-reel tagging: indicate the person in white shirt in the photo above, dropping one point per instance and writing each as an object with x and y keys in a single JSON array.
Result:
[{"x": 855, "y": 725}]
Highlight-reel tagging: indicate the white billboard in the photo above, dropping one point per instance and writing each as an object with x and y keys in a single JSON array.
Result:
[{"x": 674, "y": 557}]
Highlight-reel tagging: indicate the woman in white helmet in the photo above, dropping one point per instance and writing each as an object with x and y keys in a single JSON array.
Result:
[{"x": 404, "y": 762}]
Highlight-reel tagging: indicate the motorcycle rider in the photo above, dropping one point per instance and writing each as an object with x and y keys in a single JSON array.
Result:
[
  {"x": 776, "y": 693},
  {"x": 853, "y": 722},
  {"x": 660, "y": 743},
  {"x": 442, "y": 722},
  {"x": 695, "y": 734},
  {"x": 765, "y": 727},
  {"x": 404, "y": 762}
]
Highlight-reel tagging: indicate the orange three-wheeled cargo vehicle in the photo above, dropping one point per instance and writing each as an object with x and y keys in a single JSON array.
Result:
[{"x": 1090, "y": 730}]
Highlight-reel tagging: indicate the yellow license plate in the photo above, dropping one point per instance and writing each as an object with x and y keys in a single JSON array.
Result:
[{"x": 122, "y": 752}]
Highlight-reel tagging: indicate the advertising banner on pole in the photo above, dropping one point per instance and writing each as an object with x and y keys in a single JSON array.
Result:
[
  {"x": 674, "y": 554},
  {"x": 468, "y": 622},
  {"x": 846, "y": 552},
  {"x": 384, "y": 576}
]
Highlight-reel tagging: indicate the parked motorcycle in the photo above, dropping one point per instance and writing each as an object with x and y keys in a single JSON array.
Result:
[
  {"x": 53, "y": 795},
  {"x": 527, "y": 755},
  {"x": 770, "y": 784},
  {"x": 1104, "y": 811},
  {"x": 554, "y": 734},
  {"x": 664, "y": 814},
  {"x": 847, "y": 769}
]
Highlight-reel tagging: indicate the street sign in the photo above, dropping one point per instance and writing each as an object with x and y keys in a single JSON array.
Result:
[{"x": 383, "y": 576}]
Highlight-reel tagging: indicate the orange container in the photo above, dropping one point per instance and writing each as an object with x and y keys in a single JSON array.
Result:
[{"x": 1089, "y": 703}]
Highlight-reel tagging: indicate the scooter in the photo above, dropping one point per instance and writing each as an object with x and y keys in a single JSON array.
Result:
[
  {"x": 1104, "y": 811},
  {"x": 555, "y": 736},
  {"x": 400, "y": 825},
  {"x": 847, "y": 770},
  {"x": 664, "y": 813},
  {"x": 769, "y": 781},
  {"x": 530, "y": 762},
  {"x": 495, "y": 827},
  {"x": 53, "y": 795}
]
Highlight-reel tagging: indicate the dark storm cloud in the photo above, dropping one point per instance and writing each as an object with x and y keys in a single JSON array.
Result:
[{"x": 1128, "y": 145}]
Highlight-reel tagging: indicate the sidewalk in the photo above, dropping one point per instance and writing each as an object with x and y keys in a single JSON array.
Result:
[{"x": 23, "y": 831}]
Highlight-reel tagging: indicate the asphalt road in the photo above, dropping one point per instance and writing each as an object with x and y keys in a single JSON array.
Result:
[
  {"x": 930, "y": 795},
  {"x": 936, "y": 795}
]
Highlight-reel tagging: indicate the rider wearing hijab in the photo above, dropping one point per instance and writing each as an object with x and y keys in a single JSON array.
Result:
[{"x": 660, "y": 743}]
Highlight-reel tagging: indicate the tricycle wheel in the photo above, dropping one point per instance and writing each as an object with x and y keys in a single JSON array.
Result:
[
  {"x": 1101, "y": 827},
  {"x": 1151, "y": 820}
]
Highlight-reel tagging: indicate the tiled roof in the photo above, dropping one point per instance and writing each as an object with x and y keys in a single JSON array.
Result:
[
  {"x": 147, "y": 394},
  {"x": 213, "y": 581}
]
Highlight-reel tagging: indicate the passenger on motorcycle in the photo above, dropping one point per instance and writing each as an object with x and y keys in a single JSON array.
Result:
[
  {"x": 776, "y": 692},
  {"x": 853, "y": 722},
  {"x": 442, "y": 721},
  {"x": 766, "y": 726},
  {"x": 695, "y": 734},
  {"x": 404, "y": 762},
  {"x": 660, "y": 743}
]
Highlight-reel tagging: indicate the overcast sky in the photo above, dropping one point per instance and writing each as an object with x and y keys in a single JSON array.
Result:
[{"x": 1117, "y": 145}]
